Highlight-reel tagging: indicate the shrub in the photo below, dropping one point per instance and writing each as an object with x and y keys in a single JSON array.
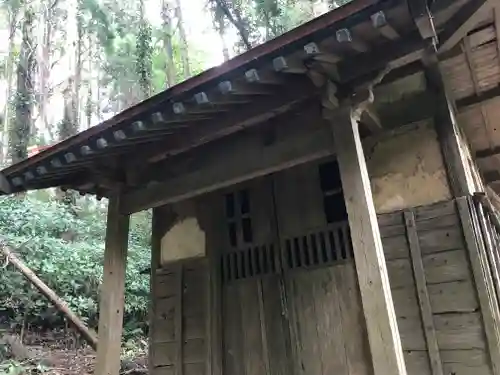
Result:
[{"x": 73, "y": 269}]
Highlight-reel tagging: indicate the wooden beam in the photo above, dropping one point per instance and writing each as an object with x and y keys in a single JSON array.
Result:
[
  {"x": 393, "y": 53},
  {"x": 5, "y": 185},
  {"x": 463, "y": 22},
  {"x": 447, "y": 130},
  {"x": 236, "y": 88},
  {"x": 423, "y": 293},
  {"x": 486, "y": 153},
  {"x": 478, "y": 99},
  {"x": 313, "y": 51},
  {"x": 380, "y": 22},
  {"x": 321, "y": 64},
  {"x": 371, "y": 119},
  {"x": 223, "y": 171},
  {"x": 298, "y": 90},
  {"x": 496, "y": 13},
  {"x": 378, "y": 307},
  {"x": 491, "y": 176},
  {"x": 411, "y": 108},
  {"x": 283, "y": 64},
  {"x": 346, "y": 36},
  {"x": 423, "y": 19},
  {"x": 112, "y": 290}
]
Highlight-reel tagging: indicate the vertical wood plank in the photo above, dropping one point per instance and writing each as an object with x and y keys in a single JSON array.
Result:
[
  {"x": 353, "y": 326},
  {"x": 162, "y": 221},
  {"x": 308, "y": 360},
  {"x": 276, "y": 326},
  {"x": 233, "y": 358},
  {"x": 251, "y": 337},
  {"x": 113, "y": 291},
  {"x": 179, "y": 335},
  {"x": 329, "y": 321},
  {"x": 216, "y": 270},
  {"x": 422, "y": 294},
  {"x": 383, "y": 334},
  {"x": 156, "y": 236},
  {"x": 488, "y": 314},
  {"x": 263, "y": 331},
  {"x": 338, "y": 244}
]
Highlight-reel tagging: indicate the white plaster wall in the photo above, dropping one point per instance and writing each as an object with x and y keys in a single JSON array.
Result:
[
  {"x": 406, "y": 169},
  {"x": 185, "y": 239}
]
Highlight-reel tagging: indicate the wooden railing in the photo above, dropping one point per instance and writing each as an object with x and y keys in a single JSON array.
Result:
[{"x": 487, "y": 228}]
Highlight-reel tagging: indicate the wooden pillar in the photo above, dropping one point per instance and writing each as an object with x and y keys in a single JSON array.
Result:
[
  {"x": 112, "y": 291},
  {"x": 447, "y": 130},
  {"x": 383, "y": 334}
]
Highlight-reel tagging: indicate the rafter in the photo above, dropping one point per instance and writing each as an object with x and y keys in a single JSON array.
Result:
[{"x": 463, "y": 22}]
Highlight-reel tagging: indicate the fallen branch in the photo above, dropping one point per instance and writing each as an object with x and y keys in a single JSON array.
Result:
[{"x": 89, "y": 335}]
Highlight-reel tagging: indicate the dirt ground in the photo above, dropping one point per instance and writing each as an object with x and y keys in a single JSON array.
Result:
[{"x": 54, "y": 353}]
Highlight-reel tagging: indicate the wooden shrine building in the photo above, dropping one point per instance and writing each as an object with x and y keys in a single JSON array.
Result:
[{"x": 322, "y": 204}]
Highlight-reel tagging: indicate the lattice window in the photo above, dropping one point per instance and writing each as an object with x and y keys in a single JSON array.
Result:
[
  {"x": 238, "y": 219},
  {"x": 244, "y": 259},
  {"x": 333, "y": 196}
]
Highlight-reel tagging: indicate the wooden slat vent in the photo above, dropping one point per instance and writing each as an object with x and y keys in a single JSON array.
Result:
[
  {"x": 318, "y": 248},
  {"x": 248, "y": 262}
]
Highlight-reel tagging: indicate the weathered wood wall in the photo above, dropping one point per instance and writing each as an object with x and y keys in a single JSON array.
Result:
[
  {"x": 434, "y": 291},
  {"x": 179, "y": 336},
  {"x": 441, "y": 274}
]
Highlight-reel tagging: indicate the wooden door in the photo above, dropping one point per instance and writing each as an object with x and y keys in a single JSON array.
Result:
[
  {"x": 322, "y": 296},
  {"x": 290, "y": 298},
  {"x": 255, "y": 331}
]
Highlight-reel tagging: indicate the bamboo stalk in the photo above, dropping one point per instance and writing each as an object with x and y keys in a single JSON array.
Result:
[{"x": 88, "y": 334}]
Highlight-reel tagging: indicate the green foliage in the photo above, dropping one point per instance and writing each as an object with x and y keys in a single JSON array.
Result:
[
  {"x": 72, "y": 269},
  {"x": 97, "y": 21},
  {"x": 143, "y": 56}
]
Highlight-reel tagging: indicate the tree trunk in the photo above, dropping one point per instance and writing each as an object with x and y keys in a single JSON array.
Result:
[
  {"x": 67, "y": 128},
  {"x": 20, "y": 129},
  {"x": 225, "y": 49},
  {"x": 9, "y": 79},
  {"x": 183, "y": 38},
  {"x": 78, "y": 67},
  {"x": 88, "y": 104},
  {"x": 220, "y": 26},
  {"x": 236, "y": 20},
  {"x": 44, "y": 70},
  {"x": 143, "y": 52},
  {"x": 88, "y": 334},
  {"x": 170, "y": 71}
]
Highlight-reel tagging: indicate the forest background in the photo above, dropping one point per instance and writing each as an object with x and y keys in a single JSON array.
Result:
[{"x": 67, "y": 65}]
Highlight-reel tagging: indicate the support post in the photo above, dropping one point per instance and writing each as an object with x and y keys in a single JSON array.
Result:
[
  {"x": 112, "y": 291},
  {"x": 447, "y": 130},
  {"x": 378, "y": 307}
]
